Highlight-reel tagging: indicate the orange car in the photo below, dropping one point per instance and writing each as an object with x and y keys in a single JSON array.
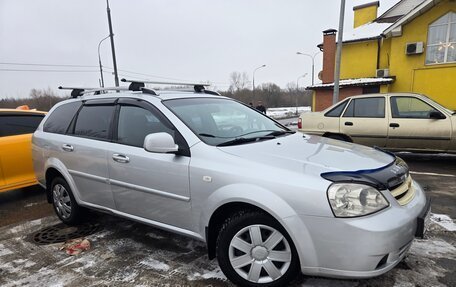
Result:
[{"x": 16, "y": 129}]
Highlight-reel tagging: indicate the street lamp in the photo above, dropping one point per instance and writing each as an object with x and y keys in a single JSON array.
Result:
[
  {"x": 313, "y": 63},
  {"x": 253, "y": 78},
  {"x": 99, "y": 61},
  {"x": 297, "y": 90}
]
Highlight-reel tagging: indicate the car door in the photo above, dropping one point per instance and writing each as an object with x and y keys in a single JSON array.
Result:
[
  {"x": 83, "y": 151},
  {"x": 15, "y": 149},
  {"x": 411, "y": 125},
  {"x": 365, "y": 121},
  {"x": 153, "y": 186}
]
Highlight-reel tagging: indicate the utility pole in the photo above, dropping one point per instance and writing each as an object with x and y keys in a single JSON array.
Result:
[
  {"x": 111, "y": 35},
  {"x": 339, "y": 52}
]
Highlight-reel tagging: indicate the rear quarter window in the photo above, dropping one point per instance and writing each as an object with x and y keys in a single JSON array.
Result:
[{"x": 59, "y": 120}]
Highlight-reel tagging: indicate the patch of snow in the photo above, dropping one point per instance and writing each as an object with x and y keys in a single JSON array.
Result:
[
  {"x": 4, "y": 251},
  {"x": 31, "y": 204},
  {"x": 25, "y": 226},
  {"x": 444, "y": 220},
  {"x": 283, "y": 112},
  {"x": 358, "y": 81},
  {"x": 155, "y": 264},
  {"x": 366, "y": 31},
  {"x": 436, "y": 248},
  {"x": 154, "y": 235},
  {"x": 208, "y": 274}
]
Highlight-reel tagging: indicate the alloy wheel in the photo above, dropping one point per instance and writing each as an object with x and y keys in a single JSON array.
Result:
[{"x": 62, "y": 201}]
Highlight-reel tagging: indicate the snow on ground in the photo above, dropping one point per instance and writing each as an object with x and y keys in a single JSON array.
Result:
[
  {"x": 132, "y": 254},
  {"x": 284, "y": 112},
  {"x": 444, "y": 220}
]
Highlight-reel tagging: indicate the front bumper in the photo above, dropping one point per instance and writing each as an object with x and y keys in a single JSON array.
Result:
[{"x": 359, "y": 247}]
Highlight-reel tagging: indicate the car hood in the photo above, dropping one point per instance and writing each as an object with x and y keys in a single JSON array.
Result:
[{"x": 311, "y": 154}]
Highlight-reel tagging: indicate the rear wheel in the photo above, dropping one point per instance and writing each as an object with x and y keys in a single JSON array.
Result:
[
  {"x": 65, "y": 205},
  {"x": 253, "y": 249}
]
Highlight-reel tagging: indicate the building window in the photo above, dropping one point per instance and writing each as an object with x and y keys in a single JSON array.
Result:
[{"x": 441, "y": 44}]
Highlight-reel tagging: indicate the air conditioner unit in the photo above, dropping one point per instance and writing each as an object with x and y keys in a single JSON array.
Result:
[
  {"x": 382, "y": 73},
  {"x": 414, "y": 48}
]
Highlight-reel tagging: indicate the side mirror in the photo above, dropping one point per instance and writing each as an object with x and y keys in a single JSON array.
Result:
[
  {"x": 160, "y": 143},
  {"x": 436, "y": 115}
]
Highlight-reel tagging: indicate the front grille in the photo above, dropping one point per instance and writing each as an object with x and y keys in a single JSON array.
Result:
[{"x": 405, "y": 192}]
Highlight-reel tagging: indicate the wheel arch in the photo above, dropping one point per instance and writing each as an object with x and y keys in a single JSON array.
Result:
[
  {"x": 54, "y": 168},
  {"x": 237, "y": 198}
]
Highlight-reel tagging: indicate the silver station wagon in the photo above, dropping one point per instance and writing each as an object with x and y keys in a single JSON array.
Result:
[{"x": 268, "y": 202}]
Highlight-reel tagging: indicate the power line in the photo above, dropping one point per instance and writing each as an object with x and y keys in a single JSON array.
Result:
[
  {"x": 83, "y": 66},
  {"x": 52, "y": 71},
  {"x": 147, "y": 75},
  {"x": 46, "y": 65}
]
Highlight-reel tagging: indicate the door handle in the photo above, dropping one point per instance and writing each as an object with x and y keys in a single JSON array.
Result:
[
  {"x": 394, "y": 125},
  {"x": 67, "y": 147},
  {"x": 348, "y": 123},
  {"x": 120, "y": 158}
]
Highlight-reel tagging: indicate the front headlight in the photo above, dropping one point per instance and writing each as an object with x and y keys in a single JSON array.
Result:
[{"x": 351, "y": 200}]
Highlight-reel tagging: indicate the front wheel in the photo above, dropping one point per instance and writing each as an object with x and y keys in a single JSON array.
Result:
[{"x": 253, "y": 249}]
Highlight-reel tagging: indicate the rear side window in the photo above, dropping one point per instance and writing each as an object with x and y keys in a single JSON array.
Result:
[
  {"x": 94, "y": 121},
  {"x": 19, "y": 124},
  {"x": 336, "y": 111},
  {"x": 60, "y": 118},
  {"x": 366, "y": 108}
]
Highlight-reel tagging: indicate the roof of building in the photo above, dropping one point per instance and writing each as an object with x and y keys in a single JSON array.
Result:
[
  {"x": 369, "y": 31},
  {"x": 398, "y": 10},
  {"x": 353, "y": 83},
  {"x": 383, "y": 25},
  {"x": 396, "y": 27}
]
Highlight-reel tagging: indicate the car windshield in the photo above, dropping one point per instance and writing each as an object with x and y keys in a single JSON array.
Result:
[{"x": 223, "y": 122}]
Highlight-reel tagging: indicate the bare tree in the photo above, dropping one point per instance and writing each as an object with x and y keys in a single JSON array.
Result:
[{"x": 238, "y": 81}]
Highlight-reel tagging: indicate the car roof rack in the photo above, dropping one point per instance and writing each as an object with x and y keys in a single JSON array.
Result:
[
  {"x": 137, "y": 86},
  {"x": 79, "y": 91},
  {"x": 75, "y": 91},
  {"x": 140, "y": 85}
]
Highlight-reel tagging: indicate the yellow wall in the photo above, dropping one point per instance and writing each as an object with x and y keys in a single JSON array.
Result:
[
  {"x": 365, "y": 15},
  {"x": 437, "y": 81},
  {"x": 359, "y": 60}
]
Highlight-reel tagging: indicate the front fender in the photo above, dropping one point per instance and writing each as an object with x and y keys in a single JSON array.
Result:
[{"x": 270, "y": 203}]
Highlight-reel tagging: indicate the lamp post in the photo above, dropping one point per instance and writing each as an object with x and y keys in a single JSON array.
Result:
[
  {"x": 312, "y": 57},
  {"x": 253, "y": 78},
  {"x": 111, "y": 35},
  {"x": 99, "y": 61},
  {"x": 297, "y": 90},
  {"x": 340, "y": 34}
]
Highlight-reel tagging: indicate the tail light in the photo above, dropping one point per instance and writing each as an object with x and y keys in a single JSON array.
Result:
[{"x": 299, "y": 123}]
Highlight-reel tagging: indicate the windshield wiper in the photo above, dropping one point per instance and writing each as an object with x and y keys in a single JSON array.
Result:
[
  {"x": 279, "y": 133},
  {"x": 237, "y": 141},
  {"x": 207, "y": 135}
]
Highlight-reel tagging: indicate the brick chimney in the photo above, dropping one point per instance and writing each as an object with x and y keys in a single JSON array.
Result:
[
  {"x": 365, "y": 13},
  {"x": 329, "y": 55}
]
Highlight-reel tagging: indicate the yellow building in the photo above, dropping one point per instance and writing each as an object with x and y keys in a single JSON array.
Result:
[{"x": 409, "y": 48}]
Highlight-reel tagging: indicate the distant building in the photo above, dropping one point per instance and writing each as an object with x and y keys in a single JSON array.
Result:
[{"x": 409, "y": 48}]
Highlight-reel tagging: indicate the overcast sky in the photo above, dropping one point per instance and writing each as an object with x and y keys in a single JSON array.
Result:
[{"x": 186, "y": 40}]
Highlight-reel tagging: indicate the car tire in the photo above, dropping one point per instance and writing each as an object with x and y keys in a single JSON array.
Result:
[
  {"x": 269, "y": 259},
  {"x": 65, "y": 205}
]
